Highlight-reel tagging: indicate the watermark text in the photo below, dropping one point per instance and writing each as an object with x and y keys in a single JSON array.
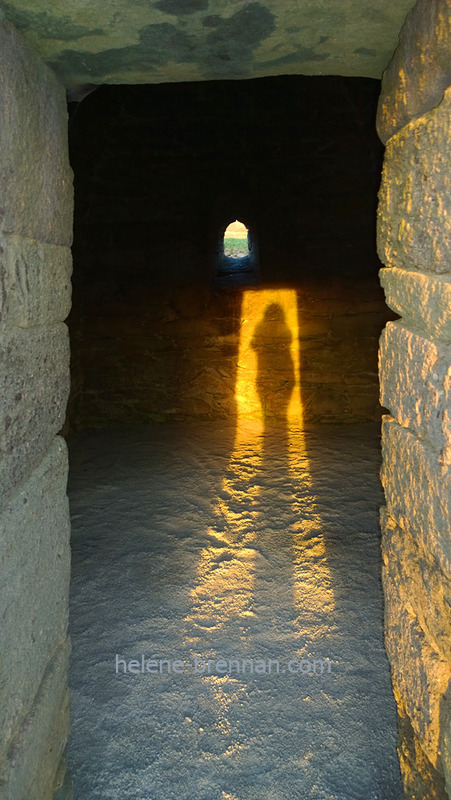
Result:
[{"x": 221, "y": 666}]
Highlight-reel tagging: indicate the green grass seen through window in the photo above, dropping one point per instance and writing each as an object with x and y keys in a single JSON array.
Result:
[{"x": 235, "y": 247}]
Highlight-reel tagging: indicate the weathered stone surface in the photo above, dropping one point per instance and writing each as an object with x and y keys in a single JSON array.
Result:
[
  {"x": 137, "y": 368},
  {"x": 420, "y": 778},
  {"x": 420, "y": 674},
  {"x": 423, "y": 588},
  {"x": 35, "y": 284},
  {"x": 415, "y": 194},
  {"x": 446, "y": 757},
  {"x": 423, "y": 300},
  {"x": 415, "y": 385},
  {"x": 420, "y": 69},
  {"x": 30, "y": 766},
  {"x": 66, "y": 790},
  {"x": 417, "y": 490},
  {"x": 149, "y": 339},
  {"x": 34, "y": 365},
  {"x": 35, "y": 176},
  {"x": 34, "y": 584},
  {"x": 175, "y": 40}
]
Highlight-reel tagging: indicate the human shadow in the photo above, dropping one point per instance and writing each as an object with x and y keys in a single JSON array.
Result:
[
  {"x": 275, "y": 379},
  {"x": 307, "y": 593},
  {"x": 285, "y": 508},
  {"x": 265, "y": 592}
]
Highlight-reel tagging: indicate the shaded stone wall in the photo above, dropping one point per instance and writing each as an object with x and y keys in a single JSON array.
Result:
[
  {"x": 414, "y": 120},
  {"x": 159, "y": 173},
  {"x": 35, "y": 266}
]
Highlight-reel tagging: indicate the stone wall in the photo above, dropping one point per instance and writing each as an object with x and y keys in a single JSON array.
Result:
[
  {"x": 415, "y": 373},
  {"x": 35, "y": 266},
  {"x": 177, "y": 359},
  {"x": 159, "y": 172}
]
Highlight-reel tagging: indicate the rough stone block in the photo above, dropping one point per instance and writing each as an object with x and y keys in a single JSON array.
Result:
[
  {"x": 447, "y": 751},
  {"x": 35, "y": 175},
  {"x": 414, "y": 198},
  {"x": 417, "y": 490},
  {"x": 34, "y": 583},
  {"x": 420, "y": 778},
  {"x": 66, "y": 790},
  {"x": 361, "y": 404},
  {"x": 29, "y": 768},
  {"x": 415, "y": 385},
  {"x": 420, "y": 69},
  {"x": 34, "y": 365},
  {"x": 35, "y": 284},
  {"x": 355, "y": 326},
  {"x": 420, "y": 299},
  {"x": 324, "y": 404},
  {"x": 420, "y": 674},
  {"x": 423, "y": 588},
  {"x": 310, "y": 327}
]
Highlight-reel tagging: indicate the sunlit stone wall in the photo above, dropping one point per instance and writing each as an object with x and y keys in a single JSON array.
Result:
[
  {"x": 415, "y": 372},
  {"x": 35, "y": 266}
]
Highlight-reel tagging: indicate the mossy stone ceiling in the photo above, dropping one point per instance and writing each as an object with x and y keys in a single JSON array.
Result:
[{"x": 154, "y": 41}]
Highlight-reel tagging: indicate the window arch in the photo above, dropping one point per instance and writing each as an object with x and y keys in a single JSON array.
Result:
[
  {"x": 237, "y": 259},
  {"x": 236, "y": 240}
]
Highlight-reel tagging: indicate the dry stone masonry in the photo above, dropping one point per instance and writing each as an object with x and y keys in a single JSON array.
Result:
[
  {"x": 196, "y": 330},
  {"x": 415, "y": 372},
  {"x": 35, "y": 265},
  {"x": 159, "y": 173}
]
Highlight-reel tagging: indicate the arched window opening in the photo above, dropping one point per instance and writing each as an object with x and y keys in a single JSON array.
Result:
[
  {"x": 236, "y": 240},
  {"x": 237, "y": 260}
]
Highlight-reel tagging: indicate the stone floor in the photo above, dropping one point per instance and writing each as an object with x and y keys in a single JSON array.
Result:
[{"x": 256, "y": 550}]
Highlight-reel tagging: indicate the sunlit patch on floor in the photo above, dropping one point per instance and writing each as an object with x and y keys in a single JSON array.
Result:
[{"x": 161, "y": 570}]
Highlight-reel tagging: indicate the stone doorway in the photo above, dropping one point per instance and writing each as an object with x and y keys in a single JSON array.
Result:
[
  {"x": 35, "y": 267},
  {"x": 177, "y": 346}
]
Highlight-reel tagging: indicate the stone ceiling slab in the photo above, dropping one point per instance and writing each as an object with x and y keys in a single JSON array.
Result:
[{"x": 155, "y": 41}]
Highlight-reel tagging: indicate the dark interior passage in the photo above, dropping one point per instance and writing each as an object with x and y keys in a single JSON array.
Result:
[
  {"x": 271, "y": 529},
  {"x": 230, "y": 535},
  {"x": 159, "y": 173}
]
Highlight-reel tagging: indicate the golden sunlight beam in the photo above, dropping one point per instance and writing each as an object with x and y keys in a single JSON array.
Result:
[
  {"x": 268, "y": 358},
  {"x": 267, "y": 534},
  {"x": 268, "y": 398}
]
